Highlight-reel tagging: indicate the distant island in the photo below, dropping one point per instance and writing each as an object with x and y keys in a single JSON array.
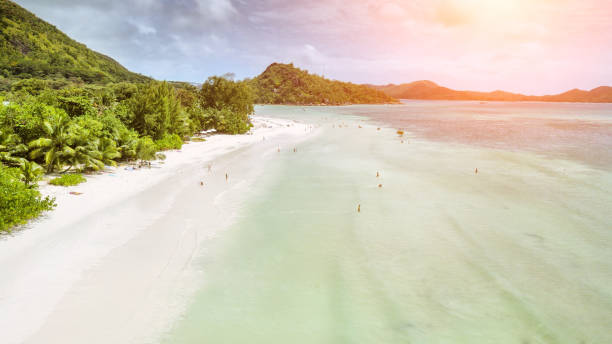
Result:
[
  {"x": 285, "y": 84},
  {"x": 428, "y": 90}
]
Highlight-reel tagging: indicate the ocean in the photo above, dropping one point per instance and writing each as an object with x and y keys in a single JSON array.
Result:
[{"x": 425, "y": 222}]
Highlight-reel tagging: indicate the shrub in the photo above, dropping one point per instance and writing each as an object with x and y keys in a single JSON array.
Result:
[
  {"x": 19, "y": 203},
  {"x": 167, "y": 142},
  {"x": 146, "y": 149},
  {"x": 68, "y": 180}
]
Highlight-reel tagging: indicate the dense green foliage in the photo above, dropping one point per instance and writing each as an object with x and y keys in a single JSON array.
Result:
[
  {"x": 156, "y": 111},
  {"x": 66, "y": 108},
  {"x": 68, "y": 180},
  {"x": 167, "y": 142},
  {"x": 33, "y": 48},
  {"x": 19, "y": 202},
  {"x": 286, "y": 84},
  {"x": 43, "y": 129},
  {"x": 228, "y": 105},
  {"x": 87, "y": 128}
]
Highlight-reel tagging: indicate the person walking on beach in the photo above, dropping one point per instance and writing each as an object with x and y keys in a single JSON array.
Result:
[
  {"x": 359, "y": 208},
  {"x": 476, "y": 170},
  {"x": 226, "y": 177}
]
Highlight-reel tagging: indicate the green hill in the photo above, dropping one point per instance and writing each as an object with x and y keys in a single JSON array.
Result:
[
  {"x": 33, "y": 48},
  {"x": 286, "y": 84}
]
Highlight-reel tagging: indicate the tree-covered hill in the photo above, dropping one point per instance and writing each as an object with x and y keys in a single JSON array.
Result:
[
  {"x": 33, "y": 48},
  {"x": 286, "y": 84}
]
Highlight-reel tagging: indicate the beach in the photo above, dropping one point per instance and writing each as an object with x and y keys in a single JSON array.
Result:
[
  {"x": 113, "y": 264},
  {"x": 357, "y": 224}
]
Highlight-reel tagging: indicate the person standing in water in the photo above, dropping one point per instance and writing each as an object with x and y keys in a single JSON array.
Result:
[
  {"x": 476, "y": 170},
  {"x": 226, "y": 177},
  {"x": 359, "y": 208}
]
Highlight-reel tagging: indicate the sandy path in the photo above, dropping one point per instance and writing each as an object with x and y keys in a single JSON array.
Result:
[{"x": 113, "y": 265}]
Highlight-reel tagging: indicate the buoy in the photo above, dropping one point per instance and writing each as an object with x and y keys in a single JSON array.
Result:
[{"x": 380, "y": 185}]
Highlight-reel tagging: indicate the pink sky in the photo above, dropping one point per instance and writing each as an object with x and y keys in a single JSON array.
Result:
[
  {"x": 528, "y": 46},
  {"x": 531, "y": 46}
]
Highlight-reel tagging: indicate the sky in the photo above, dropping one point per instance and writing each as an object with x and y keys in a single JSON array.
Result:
[{"x": 528, "y": 46}]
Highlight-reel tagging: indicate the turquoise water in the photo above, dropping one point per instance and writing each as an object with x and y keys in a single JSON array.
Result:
[{"x": 519, "y": 252}]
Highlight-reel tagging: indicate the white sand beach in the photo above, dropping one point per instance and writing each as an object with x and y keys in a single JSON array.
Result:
[{"x": 113, "y": 264}]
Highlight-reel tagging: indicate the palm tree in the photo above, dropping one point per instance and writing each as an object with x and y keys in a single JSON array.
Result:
[
  {"x": 87, "y": 156},
  {"x": 10, "y": 144},
  {"x": 55, "y": 146},
  {"x": 30, "y": 173},
  {"x": 127, "y": 144},
  {"x": 109, "y": 152}
]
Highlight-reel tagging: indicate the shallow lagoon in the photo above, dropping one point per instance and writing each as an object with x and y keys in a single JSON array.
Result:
[{"x": 519, "y": 252}]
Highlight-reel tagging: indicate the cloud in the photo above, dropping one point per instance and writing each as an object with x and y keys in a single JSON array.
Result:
[
  {"x": 219, "y": 10},
  {"x": 459, "y": 43}
]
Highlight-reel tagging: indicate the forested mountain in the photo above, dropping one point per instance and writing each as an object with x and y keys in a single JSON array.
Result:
[
  {"x": 33, "y": 48},
  {"x": 428, "y": 90},
  {"x": 286, "y": 84}
]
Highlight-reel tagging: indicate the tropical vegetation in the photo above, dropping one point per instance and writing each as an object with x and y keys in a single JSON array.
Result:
[
  {"x": 33, "y": 48},
  {"x": 67, "y": 109},
  {"x": 19, "y": 202},
  {"x": 68, "y": 180},
  {"x": 85, "y": 128},
  {"x": 286, "y": 84}
]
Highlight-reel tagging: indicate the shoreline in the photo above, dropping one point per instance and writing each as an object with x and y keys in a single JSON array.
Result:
[{"x": 107, "y": 263}]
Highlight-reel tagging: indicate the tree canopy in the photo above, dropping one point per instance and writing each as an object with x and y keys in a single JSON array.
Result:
[
  {"x": 286, "y": 84},
  {"x": 33, "y": 48}
]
